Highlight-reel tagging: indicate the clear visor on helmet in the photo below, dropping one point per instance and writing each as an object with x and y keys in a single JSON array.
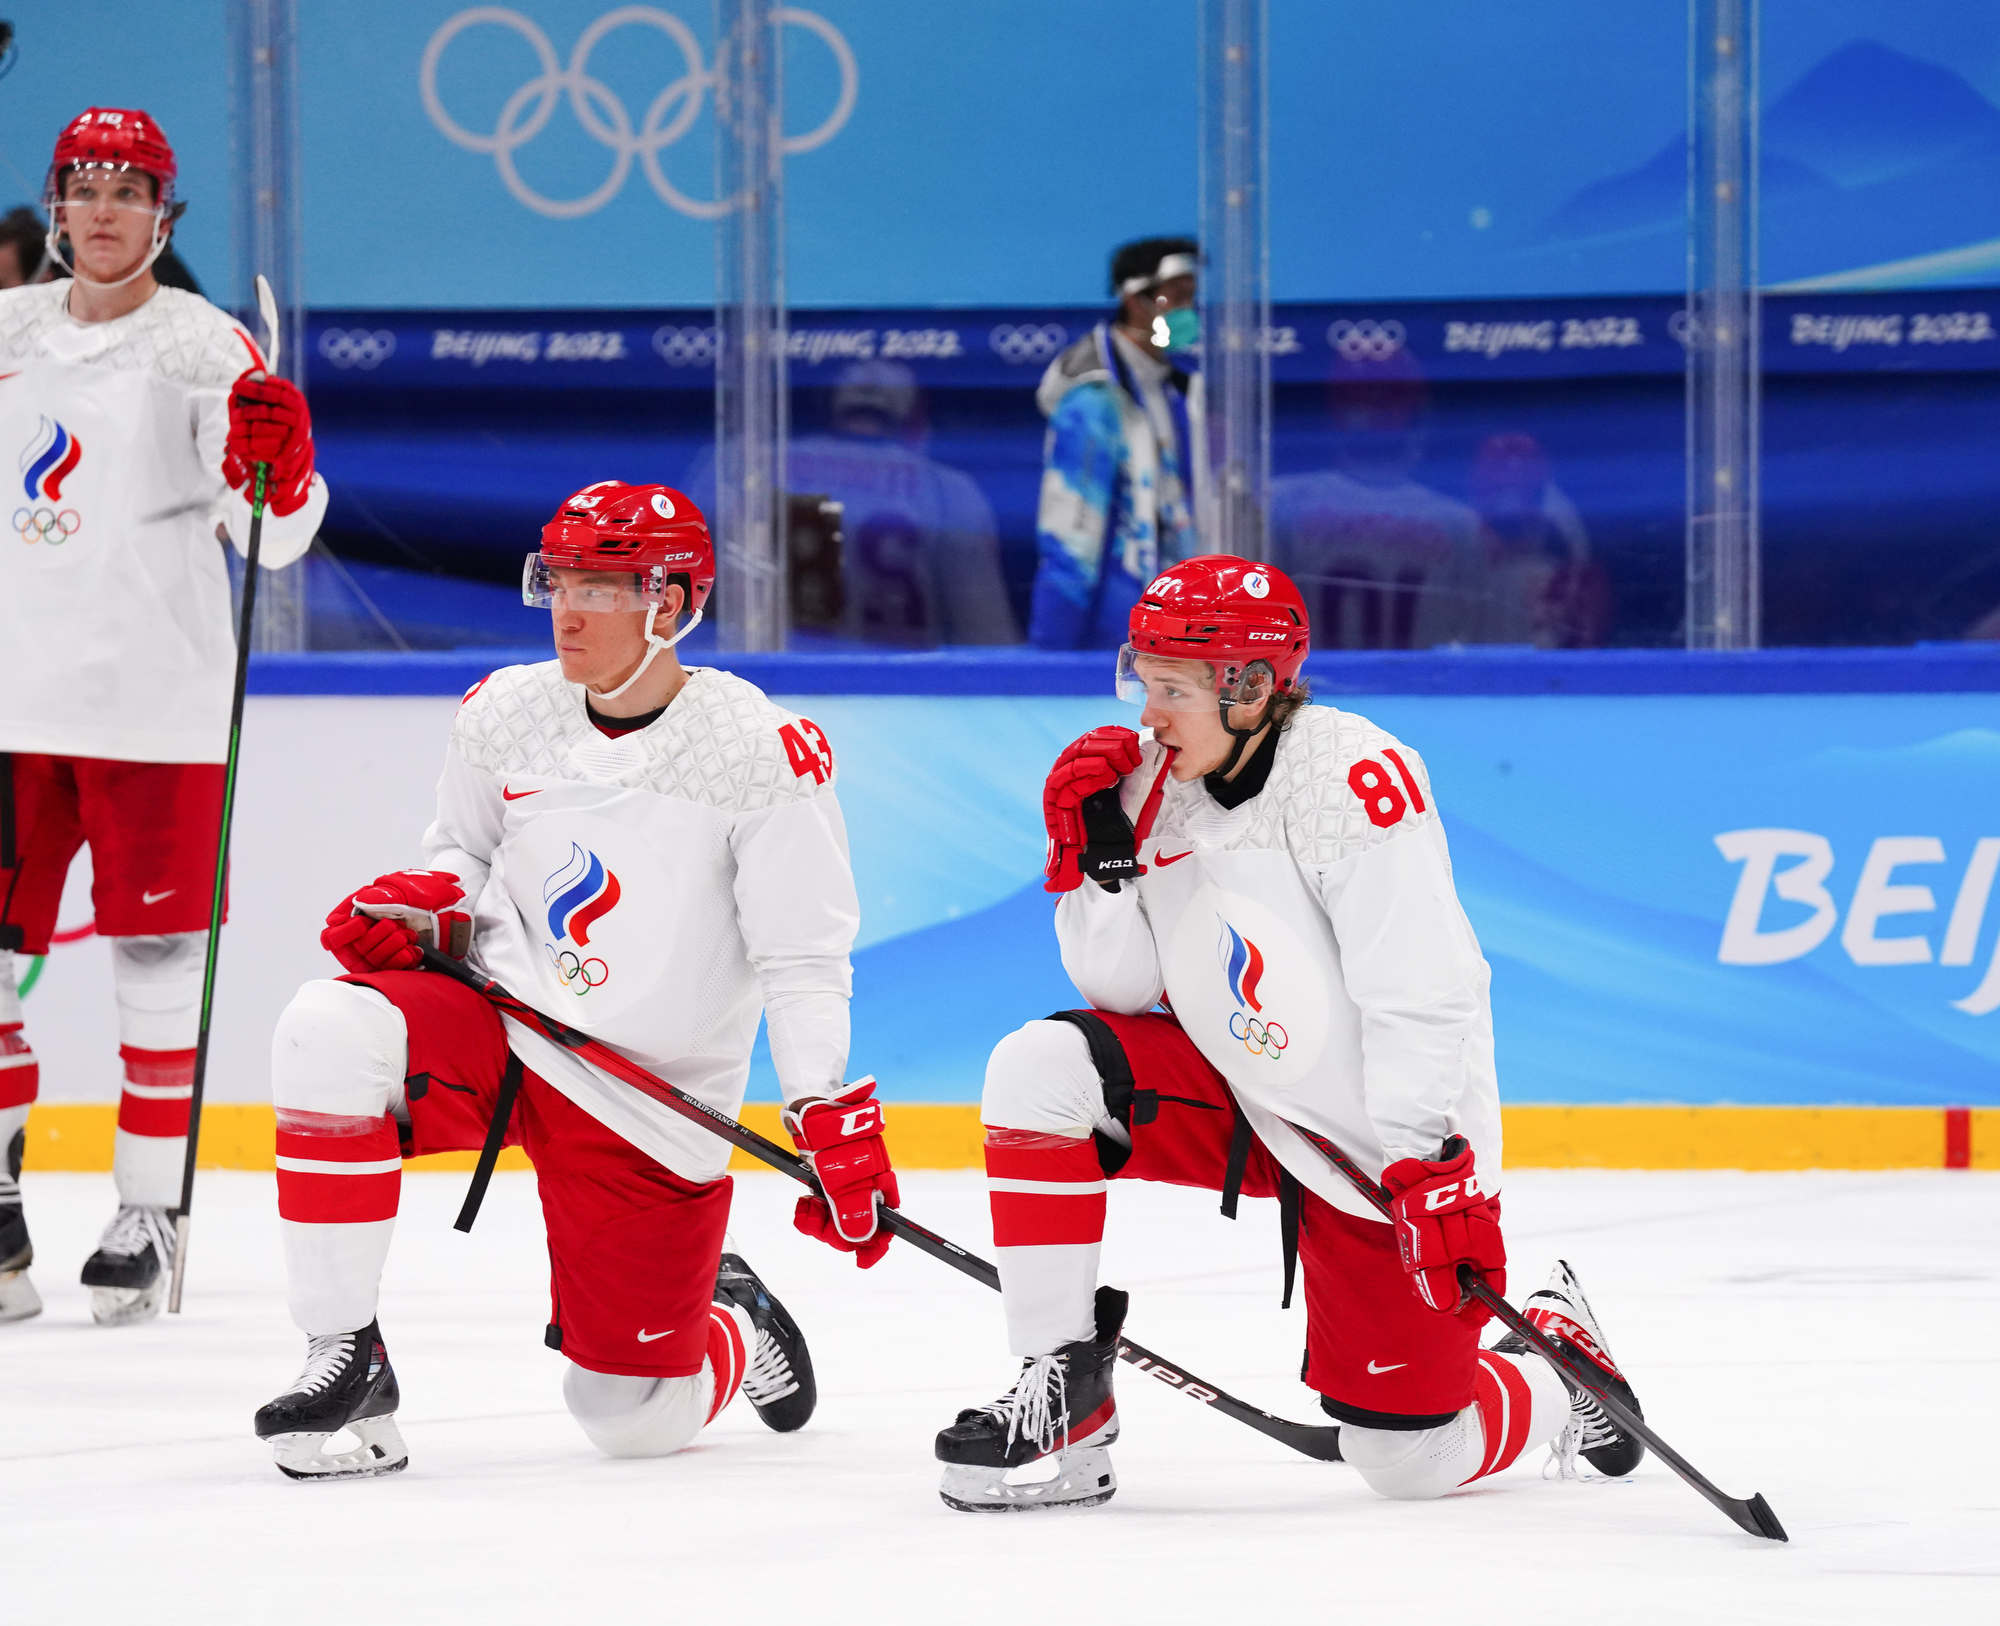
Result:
[
  {"x": 595, "y": 592},
  {"x": 83, "y": 188},
  {"x": 1169, "y": 684}
]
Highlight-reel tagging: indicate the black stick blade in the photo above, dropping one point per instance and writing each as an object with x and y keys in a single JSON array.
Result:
[{"x": 1756, "y": 1516}]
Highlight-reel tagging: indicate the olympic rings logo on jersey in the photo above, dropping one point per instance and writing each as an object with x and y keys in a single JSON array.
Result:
[
  {"x": 1259, "y": 1038},
  {"x": 1366, "y": 340},
  {"x": 1030, "y": 341},
  {"x": 579, "y": 976},
  {"x": 685, "y": 346},
  {"x": 357, "y": 347},
  {"x": 49, "y": 525},
  {"x": 604, "y": 117}
]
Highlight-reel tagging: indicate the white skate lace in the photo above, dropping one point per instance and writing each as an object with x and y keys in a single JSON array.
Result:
[
  {"x": 133, "y": 1228},
  {"x": 770, "y": 1376},
  {"x": 1036, "y": 1407},
  {"x": 326, "y": 1357}
]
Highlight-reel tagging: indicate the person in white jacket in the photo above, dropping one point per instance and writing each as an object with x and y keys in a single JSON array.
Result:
[
  {"x": 655, "y": 855},
  {"x": 1257, "y": 903},
  {"x": 134, "y": 417}
]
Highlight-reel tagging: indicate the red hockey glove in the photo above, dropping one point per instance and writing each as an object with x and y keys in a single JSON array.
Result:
[
  {"x": 269, "y": 423},
  {"x": 388, "y": 923},
  {"x": 1096, "y": 842},
  {"x": 842, "y": 1139},
  {"x": 1443, "y": 1220}
]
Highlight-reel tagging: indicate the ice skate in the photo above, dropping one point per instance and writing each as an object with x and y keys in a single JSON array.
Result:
[
  {"x": 1563, "y": 1315},
  {"x": 1061, "y": 1408},
  {"x": 127, "y": 1276},
  {"x": 18, "y": 1298},
  {"x": 779, "y": 1381},
  {"x": 348, "y": 1384}
]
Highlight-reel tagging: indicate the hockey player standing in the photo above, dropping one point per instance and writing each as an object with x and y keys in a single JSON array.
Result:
[
  {"x": 655, "y": 854},
  {"x": 134, "y": 416},
  {"x": 1287, "y": 892}
]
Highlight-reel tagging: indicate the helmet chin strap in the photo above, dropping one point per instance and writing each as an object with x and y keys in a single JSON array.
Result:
[
  {"x": 160, "y": 238},
  {"x": 1239, "y": 737},
  {"x": 654, "y": 644}
]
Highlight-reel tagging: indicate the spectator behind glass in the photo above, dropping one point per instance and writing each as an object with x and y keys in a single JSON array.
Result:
[
  {"x": 1543, "y": 586},
  {"x": 1121, "y": 481},
  {"x": 1384, "y": 561},
  {"x": 23, "y": 248},
  {"x": 921, "y": 560}
]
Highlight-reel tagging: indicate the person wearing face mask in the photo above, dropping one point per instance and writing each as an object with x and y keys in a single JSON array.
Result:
[
  {"x": 135, "y": 417},
  {"x": 1122, "y": 478}
]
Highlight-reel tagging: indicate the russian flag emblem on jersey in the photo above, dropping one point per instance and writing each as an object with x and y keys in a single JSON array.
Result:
[
  {"x": 579, "y": 895},
  {"x": 51, "y": 457},
  {"x": 1243, "y": 965}
]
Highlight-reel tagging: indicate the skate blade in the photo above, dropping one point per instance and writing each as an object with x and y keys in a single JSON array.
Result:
[
  {"x": 121, "y": 1306},
  {"x": 381, "y": 1451},
  {"x": 18, "y": 1298},
  {"x": 1083, "y": 1478}
]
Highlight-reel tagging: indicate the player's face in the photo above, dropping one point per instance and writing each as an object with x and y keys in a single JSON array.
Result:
[
  {"x": 108, "y": 215},
  {"x": 599, "y": 620},
  {"x": 1182, "y": 712},
  {"x": 598, "y": 647}
]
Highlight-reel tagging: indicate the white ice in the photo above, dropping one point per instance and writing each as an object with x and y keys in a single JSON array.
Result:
[{"x": 1828, "y": 1339}]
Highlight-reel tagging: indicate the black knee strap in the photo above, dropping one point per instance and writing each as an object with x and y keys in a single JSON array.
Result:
[{"x": 496, "y": 1135}]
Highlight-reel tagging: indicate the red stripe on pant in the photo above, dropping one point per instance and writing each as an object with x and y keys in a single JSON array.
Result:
[
  {"x": 143, "y": 1112},
  {"x": 726, "y": 1358},
  {"x": 1028, "y": 1219},
  {"x": 20, "y": 1073},
  {"x": 328, "y": 1194},
  {"x": 1500, "y": 1391}
]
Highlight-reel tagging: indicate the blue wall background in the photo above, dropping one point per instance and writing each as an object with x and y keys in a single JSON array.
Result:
[{"x": 994, "y": 148}]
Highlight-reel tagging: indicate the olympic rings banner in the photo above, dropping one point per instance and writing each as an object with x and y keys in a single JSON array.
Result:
[
  {"x": 552, "y": 154},
  {"x": 996, "y": 347}
]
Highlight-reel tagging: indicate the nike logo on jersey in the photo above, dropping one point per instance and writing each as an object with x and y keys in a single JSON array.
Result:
[
  {"x": 158, "y": 897},
  {"x": 1376, "y": 1371},
  {"x": 1163, "y": 860},
  {"x": 646, "y": 1337},
  {"x": 507, "y": 795}
]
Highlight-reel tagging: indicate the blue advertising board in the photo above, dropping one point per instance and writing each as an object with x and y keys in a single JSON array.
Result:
[{"x": 1684, "y": 898}]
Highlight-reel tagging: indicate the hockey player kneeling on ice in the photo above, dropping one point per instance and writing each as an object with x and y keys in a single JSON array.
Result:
[
  {"x": 1274, "y": 872},
  {"x": 655, "y": 855},
  {"x": 139, "y": 414}
]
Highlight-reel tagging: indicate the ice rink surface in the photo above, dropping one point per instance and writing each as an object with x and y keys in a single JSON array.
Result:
[{"x": 1832, "y": 1340}]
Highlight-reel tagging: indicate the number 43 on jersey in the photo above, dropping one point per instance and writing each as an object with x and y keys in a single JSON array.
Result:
[{"x": 806, "y": 749}]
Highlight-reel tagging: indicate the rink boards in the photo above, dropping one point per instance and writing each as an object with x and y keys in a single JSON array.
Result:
[{"x": 1727, "y": 929}]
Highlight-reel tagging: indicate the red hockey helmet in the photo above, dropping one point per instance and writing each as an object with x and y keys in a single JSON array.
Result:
[
  {"x": 1235, "y": 614},
  {"x": 115, "y": 138},
  {"x": 655, "y": 532}
]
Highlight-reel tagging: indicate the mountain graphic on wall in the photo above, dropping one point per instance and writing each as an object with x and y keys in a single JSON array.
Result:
[{"x": 1872, "y": 158}]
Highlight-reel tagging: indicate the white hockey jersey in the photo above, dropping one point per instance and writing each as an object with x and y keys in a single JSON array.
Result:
[
  {"x": 656, "y": 890},
  {"x": 116, "y": 638},
  {"x": 1311, "y": 944}
]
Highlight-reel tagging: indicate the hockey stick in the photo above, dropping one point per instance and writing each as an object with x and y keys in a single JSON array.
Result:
[
  {"x": 268, "y": 308},
  {"x": 1321, "y": 1443},
  {"x": 1754, "y": 1515}
]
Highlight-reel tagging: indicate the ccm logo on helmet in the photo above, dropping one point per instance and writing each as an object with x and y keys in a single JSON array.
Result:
[{"x": 1162, "y": 586}]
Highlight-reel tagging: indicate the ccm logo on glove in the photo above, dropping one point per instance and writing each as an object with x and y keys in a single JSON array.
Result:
[{"x": 841, "y": 1138}]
